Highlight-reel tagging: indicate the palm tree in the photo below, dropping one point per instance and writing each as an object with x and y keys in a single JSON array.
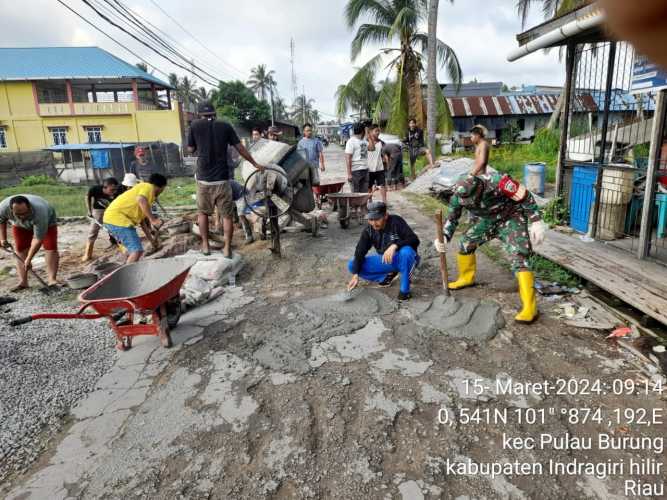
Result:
[
  {"x": 261, "y": 81},
  {"x": 399, "y": 21},
  {"x": 279, "y": 108},
  {"x": 186, "y": 92},
  {"x": 303, "y": 111},
  {"x": 432, "y": 74},
  {"x": 550, "y": 9},
  {"x": 358, "y": 94},
  {"x": 201, "y": 94}
]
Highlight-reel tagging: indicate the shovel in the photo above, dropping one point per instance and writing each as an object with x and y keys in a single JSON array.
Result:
[{"x": 45, "y": 286}]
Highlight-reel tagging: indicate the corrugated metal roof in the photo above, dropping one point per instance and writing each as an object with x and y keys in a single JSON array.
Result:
[
  {"x": 41, "y": 63},
  {"x": 543, "y": 104}
]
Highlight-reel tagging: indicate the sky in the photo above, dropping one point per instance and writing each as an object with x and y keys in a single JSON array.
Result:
[{"x": 234, "y": 36}]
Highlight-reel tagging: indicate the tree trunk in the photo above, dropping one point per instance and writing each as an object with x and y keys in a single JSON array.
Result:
[
  {"x": 558, "y": 109},
  {"x": 432, "y": 76}
]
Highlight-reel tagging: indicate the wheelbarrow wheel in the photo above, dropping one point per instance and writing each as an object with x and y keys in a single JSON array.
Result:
[{"x": 174, "y": 311}]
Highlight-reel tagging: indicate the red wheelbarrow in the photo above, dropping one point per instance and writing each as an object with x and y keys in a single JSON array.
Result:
[
  {"x": 139, "y": 299},
  {"x": 323, "y": 190}
]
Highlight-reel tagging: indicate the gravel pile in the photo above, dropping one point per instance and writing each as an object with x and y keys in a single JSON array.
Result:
[{"x": 45, "y": 367}]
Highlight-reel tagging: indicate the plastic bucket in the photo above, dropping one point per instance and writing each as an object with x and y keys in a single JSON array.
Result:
[
  {"x": 617, "y": 186},
  {"x": 582, "y": 196},
  {"x": 533, "y": 177}
]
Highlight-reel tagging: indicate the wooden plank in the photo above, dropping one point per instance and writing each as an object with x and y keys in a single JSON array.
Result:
[
  {"x": 643, "y": 284},
  {"x": 654, "y": 156}
]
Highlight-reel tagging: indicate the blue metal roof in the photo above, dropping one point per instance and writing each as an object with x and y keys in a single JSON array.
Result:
[{"x": 42, "y": 63}]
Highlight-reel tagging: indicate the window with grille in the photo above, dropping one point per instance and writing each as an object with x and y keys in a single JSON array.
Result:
[
  {"x": 59, "y": 135},
  {"x": 94, "y": 134},
  {"x": 3, "y": 138}
]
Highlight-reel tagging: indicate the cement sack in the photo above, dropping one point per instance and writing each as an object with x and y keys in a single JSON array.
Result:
[
  {"x": 264, "y": 152},
  {"x": 452, "y": 171},
  {"x": 195, "y": 291},
  {"x": 422, "y": 184},
  {"x": 214, "y": 269}
]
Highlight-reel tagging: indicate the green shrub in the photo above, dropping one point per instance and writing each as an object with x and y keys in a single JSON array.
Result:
[
  {"x": 556, "y": 212},
  {"x": 546, "y": 142},
  {"x": 38, "y": 180}
]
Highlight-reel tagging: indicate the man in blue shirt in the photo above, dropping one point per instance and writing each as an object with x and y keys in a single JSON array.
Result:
[{"x": 312, "y": 150}]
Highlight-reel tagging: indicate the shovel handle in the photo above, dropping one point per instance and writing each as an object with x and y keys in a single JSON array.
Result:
[{"x": 443, "y": 257}]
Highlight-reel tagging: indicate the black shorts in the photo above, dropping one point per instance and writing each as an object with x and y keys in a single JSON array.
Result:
[
  {"x": 360, "y": 181},
  {"x": 376, "y": 179}
]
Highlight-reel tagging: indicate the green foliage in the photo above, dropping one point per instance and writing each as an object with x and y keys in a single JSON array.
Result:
[
  {"x": 511, "y": 158},
  {"x": 510, "y": 134},
  {"x": 237, "y": 103},
  {"x": 67, "y": 200},
  {"x": 641, "y": 151},
  {"x": 36, "y": 180},
  {"x": 551, "y": 272},
  {"x": 546, "y": 142},
  {"x": 556, "y": 212},
  {"x": 399, "y": 21},
  {"x": 179, "y": 192}
]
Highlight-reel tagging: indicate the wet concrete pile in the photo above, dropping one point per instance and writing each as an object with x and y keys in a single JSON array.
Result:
[{"x": 284, "y": 341}]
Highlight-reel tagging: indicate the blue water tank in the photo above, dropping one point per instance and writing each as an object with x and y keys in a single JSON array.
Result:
[
  {"x": 582, "y": 196},
  {"x": 533, "y": 177}
]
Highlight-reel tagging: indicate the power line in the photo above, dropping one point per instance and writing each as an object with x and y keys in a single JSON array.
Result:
[
  {"x": 110, "y": 21},
  {"x": 196, "y": 39},
  {"x": 144, "y": 35},
  {"x": 111, "y": 38},
  {"x": 175, "y": 42}
]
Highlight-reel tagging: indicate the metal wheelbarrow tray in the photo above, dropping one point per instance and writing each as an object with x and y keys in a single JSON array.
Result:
[
  {"x": 350, "y": 205},
  {"x": 323, "y": 190},
  {"x": 148, "y": 290}
]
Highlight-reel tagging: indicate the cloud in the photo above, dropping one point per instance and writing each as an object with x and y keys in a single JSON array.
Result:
[{"x": 246, "y": 33}]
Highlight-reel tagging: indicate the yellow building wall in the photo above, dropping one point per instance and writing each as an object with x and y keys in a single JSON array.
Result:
[
  {"x": 27, "y": 131},
  {"x": 162, "y": 126}
]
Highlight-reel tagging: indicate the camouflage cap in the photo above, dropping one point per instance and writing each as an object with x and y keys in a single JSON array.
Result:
[{"x": 466, "y": 186}]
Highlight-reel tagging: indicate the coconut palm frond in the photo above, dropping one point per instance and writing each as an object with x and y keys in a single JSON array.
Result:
[
  {"x": 447, "y": 57},
  {"x": 379, "y": 10}
]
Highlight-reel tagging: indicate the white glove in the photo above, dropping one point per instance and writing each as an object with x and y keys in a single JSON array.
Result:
[
  {"x": 440, "y": 247},
  {"x": 537, "y": 231}
]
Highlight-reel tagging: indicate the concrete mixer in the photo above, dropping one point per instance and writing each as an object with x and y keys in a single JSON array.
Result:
[{"x": 284, "y": 190}]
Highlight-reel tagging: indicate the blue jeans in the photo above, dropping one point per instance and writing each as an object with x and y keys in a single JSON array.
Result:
[{"x": 373, "y": 269}]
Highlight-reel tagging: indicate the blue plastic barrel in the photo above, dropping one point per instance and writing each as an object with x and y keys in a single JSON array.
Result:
[
  {"x": 582, "y": 196},
  {"x": 533, "y": 177}
]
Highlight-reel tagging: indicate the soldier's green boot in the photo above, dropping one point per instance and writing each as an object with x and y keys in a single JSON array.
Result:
[{"x": 467, "y": 267}]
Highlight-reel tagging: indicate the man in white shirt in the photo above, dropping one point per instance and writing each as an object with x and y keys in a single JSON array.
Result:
[
  {"x": 376, "y": 173},
  {"x": 356, "y": 154}
]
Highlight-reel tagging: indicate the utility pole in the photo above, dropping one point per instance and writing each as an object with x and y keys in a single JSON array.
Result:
[
  {"x": 295, "y": 89},
  {"x": 303, "y": 105}
]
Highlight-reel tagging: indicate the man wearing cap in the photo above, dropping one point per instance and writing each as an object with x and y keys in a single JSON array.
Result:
[
  {"x": 396, "y": 245},
  {"x": 478, "y": 137},
  {"x": 210, "y": 138},
  {"x": 141, "y": 167},
  {"x": 501, "y": 208},
  {"x": 274, "y": 133}
]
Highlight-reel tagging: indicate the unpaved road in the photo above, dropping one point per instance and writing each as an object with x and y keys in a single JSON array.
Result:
[{"x": 278, "y": 391}]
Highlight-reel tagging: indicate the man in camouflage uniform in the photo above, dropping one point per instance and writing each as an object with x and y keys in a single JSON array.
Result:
[{"x": 500, "y": 208}]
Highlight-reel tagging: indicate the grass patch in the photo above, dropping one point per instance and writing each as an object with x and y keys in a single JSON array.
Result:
[
  {"x": 511, "y": 158},
  {"x": 420, "y": 164},
  {"x": 179, "y": 192},
  {"x": 69, "y": 201}
]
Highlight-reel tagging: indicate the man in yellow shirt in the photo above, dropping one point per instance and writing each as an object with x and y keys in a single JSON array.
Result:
[{"x": 131, "y": 209}]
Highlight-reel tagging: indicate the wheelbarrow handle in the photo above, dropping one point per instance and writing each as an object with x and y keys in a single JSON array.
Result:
[
  {"x": 20, "y": 321},
  {"x": 28, "y": 319}
]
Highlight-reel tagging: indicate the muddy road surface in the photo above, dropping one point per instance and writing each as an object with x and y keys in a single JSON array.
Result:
[{"x": 282, "y": 389}]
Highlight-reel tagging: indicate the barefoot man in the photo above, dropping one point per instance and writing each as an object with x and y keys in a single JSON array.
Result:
[{"x": 34, "y": 226}]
